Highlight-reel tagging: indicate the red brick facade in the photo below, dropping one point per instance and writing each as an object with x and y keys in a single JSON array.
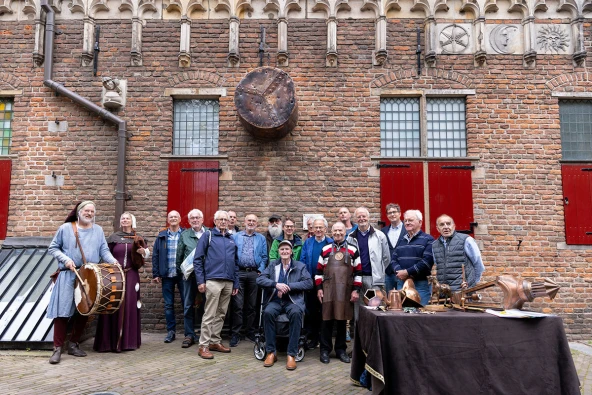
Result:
[{"x": 325, "y": 163}]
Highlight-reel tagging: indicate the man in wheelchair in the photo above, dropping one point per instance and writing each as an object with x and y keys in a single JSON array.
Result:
[{"x": 284, "y": 282}]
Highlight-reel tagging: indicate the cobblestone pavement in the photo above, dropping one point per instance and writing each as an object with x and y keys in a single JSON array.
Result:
[{"x": 158, "y": 368}]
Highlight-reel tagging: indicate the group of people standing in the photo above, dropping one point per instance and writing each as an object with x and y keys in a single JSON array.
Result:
[{"x": 317, "y": 278}]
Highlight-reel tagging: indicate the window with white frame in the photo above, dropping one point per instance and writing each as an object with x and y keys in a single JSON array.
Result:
[
  {"x": 196, "y": 127},
  {"x": 402, "y": 134}
]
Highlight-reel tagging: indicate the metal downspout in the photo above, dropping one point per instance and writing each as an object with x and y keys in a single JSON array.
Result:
[{"x": 120, "y": 192}]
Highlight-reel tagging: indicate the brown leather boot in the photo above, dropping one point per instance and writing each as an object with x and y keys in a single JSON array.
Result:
[
  {"x": 291, "y": 363},
  {"x": 205, "y": 353},
  {"x": 56, "y": 356},
  {"x": 270, "y": 360}
]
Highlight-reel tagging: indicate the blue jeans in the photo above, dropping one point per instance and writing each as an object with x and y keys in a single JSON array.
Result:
[
  {"x": 270, "y": 314},
  {"x": 423, "y": 288},
  {"x": 189, "y": 293},
  {"x": 390, "y": 282},
  {"x": 168, "y": 294}
]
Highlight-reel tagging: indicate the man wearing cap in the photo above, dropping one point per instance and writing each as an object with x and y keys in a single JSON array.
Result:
[
  {"x": 252, "y": 260},
  {"x": 284, "y": 282},
  {"x": 78, "y": 235},
  {"x": 274, "y": 230}
]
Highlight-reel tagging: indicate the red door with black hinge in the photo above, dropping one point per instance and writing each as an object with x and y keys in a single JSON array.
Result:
[
  {"x": 451, "y": 193},
  {"x": 5, "y": 168},
  {"x": 193, "y": 184},
  {"x": 401, "y": 183},
  {"x": 577, "y": 202}
]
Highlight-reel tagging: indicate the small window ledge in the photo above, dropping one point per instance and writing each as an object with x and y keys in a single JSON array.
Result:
[
  {"x": 426, "y": 158},
  {"x": 573, "y": 247},
  {"x": 9, "y": 156},
  {"x": 193, "y": 157}
]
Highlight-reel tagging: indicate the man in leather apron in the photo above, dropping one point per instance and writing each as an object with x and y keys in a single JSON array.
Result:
[{"x": 338, "y": 283}]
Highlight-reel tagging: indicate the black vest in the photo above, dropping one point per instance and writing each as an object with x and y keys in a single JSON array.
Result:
[{"x": 449, "y": 261}]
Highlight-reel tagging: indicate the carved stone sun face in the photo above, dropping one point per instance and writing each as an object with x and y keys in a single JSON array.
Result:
[{"x": 553, "y": 39}]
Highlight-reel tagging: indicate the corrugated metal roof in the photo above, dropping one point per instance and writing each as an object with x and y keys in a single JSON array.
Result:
[{"x": 25, "y": 288}]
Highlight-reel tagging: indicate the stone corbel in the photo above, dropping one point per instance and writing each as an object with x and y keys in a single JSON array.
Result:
[
  {"x": 185, "y": 46},
  {"x": 577, "y": 32},
  {"x": 331, "y": 42},
  {"x": 233, "y": 49},
  {"x": 88, "y": 42},
  {"x": 136, "y": 51},
  {"x": 380, "y": 53},
  {"x": 530, "y": 53},
  {"x": 282, "y": 55},
  {"x": 430, "y": 41},
  {"x": 38, "y": 51},
  {"x": 479, "y": 32}
]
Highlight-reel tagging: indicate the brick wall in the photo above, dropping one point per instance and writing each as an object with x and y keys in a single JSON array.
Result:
[{"x": 512, "y": 120}]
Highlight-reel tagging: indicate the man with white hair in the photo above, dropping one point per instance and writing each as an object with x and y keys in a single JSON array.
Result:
[
  {"x": 187, "y": 243},
  {"x": 216, "y": 272},
  {"x": 165, "y": 270},
  {"x": 413, "y": 257},
  {"x": 374, "y": 253},
  {"x": 78, "y": 229}
]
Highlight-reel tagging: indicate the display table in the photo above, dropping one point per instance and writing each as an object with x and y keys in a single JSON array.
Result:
[{"x": 463, "y": 353}]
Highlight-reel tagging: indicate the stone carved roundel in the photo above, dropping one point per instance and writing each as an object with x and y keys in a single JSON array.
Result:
[
  {"x": 501, "y": 38},
  {"x": 454, "y": 39}
]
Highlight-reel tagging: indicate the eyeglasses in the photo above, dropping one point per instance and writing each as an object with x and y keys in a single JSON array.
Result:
[
  {"x": 222, "y": 219},
  {"x": 288, "y": 226},
  {"x": 393, "y": 212},
  {"x": 195, "y": 217}
]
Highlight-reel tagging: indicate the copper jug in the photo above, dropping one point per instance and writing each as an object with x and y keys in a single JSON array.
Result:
[{"x": 394, "y": 301}]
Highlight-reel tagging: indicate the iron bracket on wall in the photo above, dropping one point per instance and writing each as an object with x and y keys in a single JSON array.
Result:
[
  {"x": 204, "y": 170},
  {"x": 472, "y": 225},
  {"x": 391, "y": 165},
  {"x": 587, "y": 169},
  {"x": 459, "y": 167},
  {"x": 97, "y": 50}
]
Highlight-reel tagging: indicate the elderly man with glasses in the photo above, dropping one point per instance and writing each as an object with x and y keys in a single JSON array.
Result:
[
  {"x": 394, "y": 235},
  {"x": 216, "y": 273}
]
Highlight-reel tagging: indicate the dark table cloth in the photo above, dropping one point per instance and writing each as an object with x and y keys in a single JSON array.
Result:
[{"x": 463, "y": 353}]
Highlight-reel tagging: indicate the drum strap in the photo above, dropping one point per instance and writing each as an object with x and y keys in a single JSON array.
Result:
[{"x": 75, "y": 229}]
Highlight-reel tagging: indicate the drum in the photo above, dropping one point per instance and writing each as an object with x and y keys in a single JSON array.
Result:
[{"x": 105, "y": 286}]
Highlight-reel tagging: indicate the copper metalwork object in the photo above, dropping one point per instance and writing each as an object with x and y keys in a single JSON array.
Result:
[{"x": 266, "y": 104}]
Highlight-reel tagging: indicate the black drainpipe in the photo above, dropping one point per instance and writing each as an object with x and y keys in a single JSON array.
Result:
[{"x": 120, "y": 193}]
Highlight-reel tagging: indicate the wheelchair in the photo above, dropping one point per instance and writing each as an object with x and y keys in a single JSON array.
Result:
[{"x": 282, "y": 332}]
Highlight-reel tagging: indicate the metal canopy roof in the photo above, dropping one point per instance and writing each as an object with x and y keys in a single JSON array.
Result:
[{"x": 25, "y": 288}]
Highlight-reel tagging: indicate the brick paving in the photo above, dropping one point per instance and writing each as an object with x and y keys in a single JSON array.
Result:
[{"x": 158, "y": 368}]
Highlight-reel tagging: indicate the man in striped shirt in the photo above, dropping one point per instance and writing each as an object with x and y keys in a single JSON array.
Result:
[{"x": 338, "y": 281}]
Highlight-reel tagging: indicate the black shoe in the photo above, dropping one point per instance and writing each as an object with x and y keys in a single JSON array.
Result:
[
  {"x": 251, "y": 337},
  {"x": 324, "y": 357},
  {"x": 187, "y": 342},
  {"x": 75, "y": 350},
  {"x": 56, "y": 356},
  {"x": 169, "y": 337},
  {"x": 343, "y": 357},
  {"x": 234, "y": 340},
  {"x": 311, "y": 345}
]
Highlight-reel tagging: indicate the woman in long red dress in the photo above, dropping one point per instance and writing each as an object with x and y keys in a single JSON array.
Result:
[{"x": 121, "y": 330}]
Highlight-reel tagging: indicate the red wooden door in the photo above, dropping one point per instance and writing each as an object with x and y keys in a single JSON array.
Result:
[
  {"x": 193, "y": 184},
  {"x": 5, "y": 168},
  {"x": 401, "y": 183},
  {"x": 577, "y": 203},
  {"x": 451, "y": 193}
]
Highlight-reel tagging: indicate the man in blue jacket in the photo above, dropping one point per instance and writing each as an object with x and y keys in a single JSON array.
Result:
[
  {"x": 252, "y": 260},
  {"x": 165, "y": 270},
  {"x": 216, "y": 272},
  {"x": 311, "y": 250},
  {"x": 395, "y": 232},
  {"x": 284, "y": 282}
]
